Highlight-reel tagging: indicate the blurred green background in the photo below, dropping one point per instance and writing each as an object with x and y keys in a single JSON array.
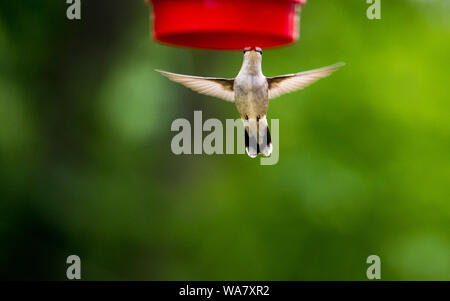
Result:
[{"x": 86, "y": 166}]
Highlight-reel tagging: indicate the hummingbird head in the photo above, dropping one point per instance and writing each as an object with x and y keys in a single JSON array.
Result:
[{"x": 252, "y": 59}]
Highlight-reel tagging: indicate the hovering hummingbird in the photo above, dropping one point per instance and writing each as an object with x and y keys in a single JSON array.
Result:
[{"x": 250, "y": 90}]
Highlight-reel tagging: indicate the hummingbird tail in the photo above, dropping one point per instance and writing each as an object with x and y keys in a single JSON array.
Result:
[
  {"x": 257, "y": 138},
  {"x": 265, "y": 141}
]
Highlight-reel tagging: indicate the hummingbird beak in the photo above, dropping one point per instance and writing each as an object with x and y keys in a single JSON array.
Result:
[
  {"x": 254, "y": 56},
  {"x": 252, "y": 59}
]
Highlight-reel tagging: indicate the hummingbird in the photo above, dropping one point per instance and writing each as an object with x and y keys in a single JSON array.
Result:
[{"x": 251, "y": 91}]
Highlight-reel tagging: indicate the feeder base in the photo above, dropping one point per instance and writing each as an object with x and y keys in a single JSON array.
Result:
[{"x": 226, "y": 24}]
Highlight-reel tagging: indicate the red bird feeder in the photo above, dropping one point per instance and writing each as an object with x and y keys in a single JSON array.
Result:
[{"x": 226, "y": 24}]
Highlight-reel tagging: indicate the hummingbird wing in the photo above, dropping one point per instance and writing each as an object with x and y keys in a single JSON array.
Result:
[
  {"x": 279, "y": 85},
  {"x": 212, "y": 86}
]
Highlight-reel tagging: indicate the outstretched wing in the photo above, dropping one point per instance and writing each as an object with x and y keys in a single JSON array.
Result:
[
  {"x": 279, "y": 85},
  {"x": 212, "y": 86}
]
